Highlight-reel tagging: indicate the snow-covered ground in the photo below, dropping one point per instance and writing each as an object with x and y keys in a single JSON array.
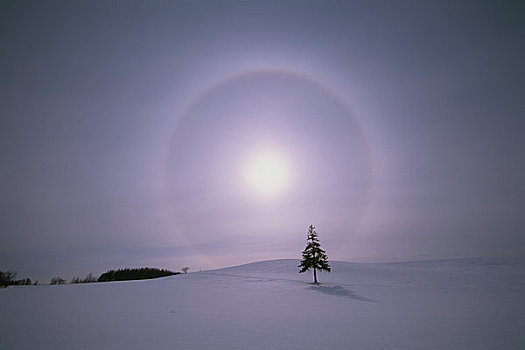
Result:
[{"x": 448, "y": 304}]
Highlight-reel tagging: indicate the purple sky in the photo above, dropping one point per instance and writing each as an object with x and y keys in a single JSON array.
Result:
[{"x": 125, "y": 127}]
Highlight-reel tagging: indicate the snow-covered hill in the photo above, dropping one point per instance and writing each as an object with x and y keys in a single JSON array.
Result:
[{"x": 447, "y": 304}]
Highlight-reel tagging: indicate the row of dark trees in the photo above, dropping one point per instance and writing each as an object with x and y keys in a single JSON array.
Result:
[
  {"x": 88, "y": 279},
  {"x": 8, "y": 278},
  {"x": 57, "y": 280},
  {"x": 134, "y": 274}
]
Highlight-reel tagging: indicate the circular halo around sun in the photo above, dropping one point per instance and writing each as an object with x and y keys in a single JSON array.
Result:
[
  {"x": 267, "y": 151},
  {"x": 266, "y": 174}
]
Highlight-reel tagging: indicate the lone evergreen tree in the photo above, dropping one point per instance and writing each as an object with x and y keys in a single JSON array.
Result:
[{"x": 313, "y": 256}]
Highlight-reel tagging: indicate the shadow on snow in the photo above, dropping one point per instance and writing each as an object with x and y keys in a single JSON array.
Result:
[{"x": 340, "y": 292}]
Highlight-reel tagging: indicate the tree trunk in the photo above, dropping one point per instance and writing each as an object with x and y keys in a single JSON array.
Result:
[{"x": 315, "y": 276}]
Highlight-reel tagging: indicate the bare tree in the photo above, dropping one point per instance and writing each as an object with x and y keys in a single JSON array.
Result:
[{"x": 57, "y": 280}]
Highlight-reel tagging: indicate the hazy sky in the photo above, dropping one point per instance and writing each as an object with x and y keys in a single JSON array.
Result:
[{"x": 127, "y": 128}]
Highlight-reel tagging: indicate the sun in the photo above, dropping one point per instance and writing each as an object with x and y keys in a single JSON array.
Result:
[{"x": 266, "y": 174}]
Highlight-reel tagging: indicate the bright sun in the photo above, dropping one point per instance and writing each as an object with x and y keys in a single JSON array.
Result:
[{"x": 267, "y": 174}]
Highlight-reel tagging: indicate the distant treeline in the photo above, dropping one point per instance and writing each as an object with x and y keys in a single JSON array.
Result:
[
  {"x": 7, "y": 278},
  {"x": 88, "y": 279},
  {"x": 134, "y": 274}
]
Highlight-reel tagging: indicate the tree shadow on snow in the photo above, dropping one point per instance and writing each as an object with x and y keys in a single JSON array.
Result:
[{"x": 340, "y": 292}]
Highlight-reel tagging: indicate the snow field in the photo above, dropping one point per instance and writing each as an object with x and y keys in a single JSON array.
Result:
[{"x": 450, "y": 304}]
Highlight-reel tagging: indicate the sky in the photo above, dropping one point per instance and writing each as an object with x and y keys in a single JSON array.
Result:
[{"x": 130, "y": 132}]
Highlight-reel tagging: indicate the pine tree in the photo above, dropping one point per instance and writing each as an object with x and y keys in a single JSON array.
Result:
[{"x": 313, "y": 256}]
